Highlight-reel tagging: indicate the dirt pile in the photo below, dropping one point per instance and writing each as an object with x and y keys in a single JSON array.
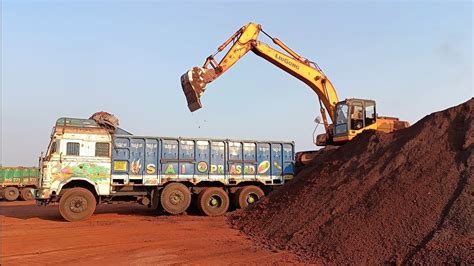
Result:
[{"x": 397, "y": 198}]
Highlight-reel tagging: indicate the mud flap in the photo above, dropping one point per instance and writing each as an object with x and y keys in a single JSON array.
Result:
[{"x": 155, "y": 199}]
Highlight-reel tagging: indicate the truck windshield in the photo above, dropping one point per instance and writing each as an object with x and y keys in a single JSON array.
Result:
[{"x": 341, "y": 119}]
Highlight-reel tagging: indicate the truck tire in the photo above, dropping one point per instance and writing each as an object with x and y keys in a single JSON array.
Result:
[
  {"x": 247, "y": 195},
  {"x": 77, "y": 204},
  {"x": 175, "y": 198},
  {"x": 26, "y": 194},
  {"x": 11, "y": 193},
  {"x": 213, "y": 201}
]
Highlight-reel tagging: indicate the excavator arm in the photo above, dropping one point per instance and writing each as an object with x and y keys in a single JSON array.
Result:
[{"x": 244, "y": 40}]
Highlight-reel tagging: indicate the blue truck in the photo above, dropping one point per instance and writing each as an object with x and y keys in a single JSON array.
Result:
[{"x": 88, "y": 163}]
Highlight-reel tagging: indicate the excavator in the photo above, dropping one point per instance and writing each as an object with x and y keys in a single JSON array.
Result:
[{"x": 349, "y": 117}]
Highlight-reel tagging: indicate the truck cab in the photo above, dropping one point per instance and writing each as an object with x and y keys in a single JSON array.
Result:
[{"x": 78, "y": 155}]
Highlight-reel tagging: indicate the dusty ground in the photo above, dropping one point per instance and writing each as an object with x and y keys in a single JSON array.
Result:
[{"x": 123, "y": 234}]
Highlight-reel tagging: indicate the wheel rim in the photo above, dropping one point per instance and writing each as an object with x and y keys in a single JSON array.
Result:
[
  {"x": 215, "y": 201},
  {"x": 176, "y": 197},
  {"x": 252, "y": 198},
  {"x": 11, "y": 193},
  {"x": 78, "y": 204}
]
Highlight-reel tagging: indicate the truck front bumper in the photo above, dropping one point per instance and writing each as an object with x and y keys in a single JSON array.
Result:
[
  {"x": 44, "y": 196},
  {"x": 42, "y": 193}
]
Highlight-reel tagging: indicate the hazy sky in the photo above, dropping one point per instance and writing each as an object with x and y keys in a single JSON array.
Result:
[{"x": 73, "y": 59}]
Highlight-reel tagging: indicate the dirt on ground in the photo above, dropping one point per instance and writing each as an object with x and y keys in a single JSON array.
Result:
[
  {"x": 123, "y": 235},
  {"x": 399, "y": 198}
]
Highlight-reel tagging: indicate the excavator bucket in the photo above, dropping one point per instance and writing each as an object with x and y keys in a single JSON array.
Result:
[{"x": 193, "y": 85}]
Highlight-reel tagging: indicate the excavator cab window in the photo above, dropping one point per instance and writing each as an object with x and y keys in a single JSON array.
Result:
[
  {"x": 369, "y": 113},
  {"x": 342, "y": 111},
  {"x": 357, "y": 116}
]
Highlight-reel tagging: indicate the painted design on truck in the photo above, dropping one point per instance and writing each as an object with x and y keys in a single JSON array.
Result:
[
  {"x": 150, "y": 180},
  {"x": 263, "y": 167},
  {"x": 170, "y": 170},
  {"x": 236, "y": 169},
  {"x": 217, "y": 169},
  {"x": 120, "y": 166},
  {"x": 277, "y": 166},
  {"x": 136, "y": 166},
  {"x": 202, "y": 167},
  {"x": 63, "y": 171},
  {"x": 150, "y": 168}
]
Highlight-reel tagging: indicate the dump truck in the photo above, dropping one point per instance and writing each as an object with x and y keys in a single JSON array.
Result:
[
  {"x": 349, "y": 117},
  {"x": 93, "y": 161},
  {"x": 18, "y": 182}
]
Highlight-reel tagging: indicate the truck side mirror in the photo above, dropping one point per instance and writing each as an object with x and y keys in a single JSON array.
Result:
[{"x": 60, "y": 157}]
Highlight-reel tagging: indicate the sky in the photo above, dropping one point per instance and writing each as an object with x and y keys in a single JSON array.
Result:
[{"x": 71, "y": 59}]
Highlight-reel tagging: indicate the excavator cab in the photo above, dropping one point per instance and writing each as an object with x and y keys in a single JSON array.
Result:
[{"x": 352, "y": 117}]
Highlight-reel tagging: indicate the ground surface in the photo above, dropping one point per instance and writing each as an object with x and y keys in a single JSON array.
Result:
[{"x": 123, "y": 234}]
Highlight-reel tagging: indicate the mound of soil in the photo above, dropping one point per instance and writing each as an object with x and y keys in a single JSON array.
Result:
[{"x": 400, "y": 198}]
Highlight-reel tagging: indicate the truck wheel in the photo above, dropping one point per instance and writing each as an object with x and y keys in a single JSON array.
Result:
[
  {"x": 11, "y": 193},
  {"x": 77, "y": 204},
  {"x": 26, "y": 194},
  {"x": 247, "y": 195},
  {"x": 213, "y": 201},
  {"x": 175, "y": 198}
]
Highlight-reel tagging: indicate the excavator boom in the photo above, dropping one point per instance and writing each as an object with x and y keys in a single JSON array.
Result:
[
  {"x": 244, "y": 40},
  {"x": 348, "y": 118},
  {"x": 195, "y": 80}
]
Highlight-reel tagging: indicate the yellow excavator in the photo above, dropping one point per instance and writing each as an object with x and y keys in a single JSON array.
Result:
[{"x": 349, "y": 117}]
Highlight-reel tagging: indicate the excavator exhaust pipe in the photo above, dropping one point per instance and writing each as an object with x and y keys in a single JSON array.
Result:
[{"x": 194, "y": 85}]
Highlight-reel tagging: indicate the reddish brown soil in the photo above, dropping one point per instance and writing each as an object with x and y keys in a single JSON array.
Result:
[
  {"x": 122, "y": 235},
  {"x": 397, "y": 198}
]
